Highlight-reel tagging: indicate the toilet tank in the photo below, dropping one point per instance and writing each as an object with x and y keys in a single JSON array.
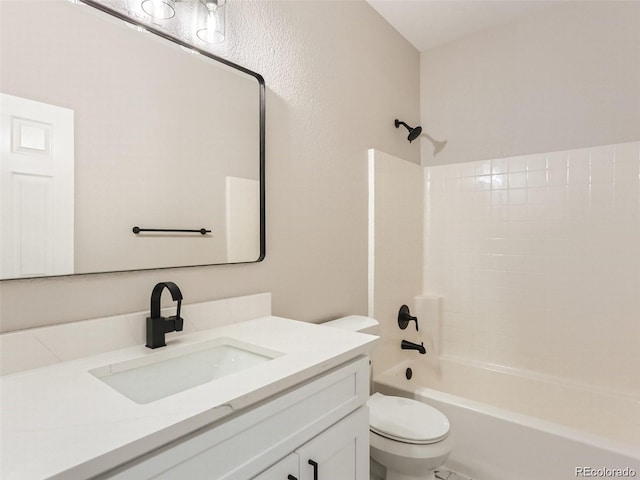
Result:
[
  {"x": 359, "y": 324},
  {"x": 356, "y": 323}
]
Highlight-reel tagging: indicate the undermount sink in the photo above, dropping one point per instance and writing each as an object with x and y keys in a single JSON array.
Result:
[{"x": 160, "y": 374}]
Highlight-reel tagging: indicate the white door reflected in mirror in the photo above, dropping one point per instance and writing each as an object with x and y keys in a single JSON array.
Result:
[{"x": 36, "y": 185}]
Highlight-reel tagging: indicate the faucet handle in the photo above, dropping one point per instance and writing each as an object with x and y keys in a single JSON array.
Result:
[
  {"x": 179, "y": 323},
  {"x": 404, "y": 317},
  {"x": 178, "y": 319}
]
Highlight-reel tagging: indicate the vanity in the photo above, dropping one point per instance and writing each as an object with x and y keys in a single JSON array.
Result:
[
  {"x": 239, "y": 394},
  {"x": 236, "y": 394}
]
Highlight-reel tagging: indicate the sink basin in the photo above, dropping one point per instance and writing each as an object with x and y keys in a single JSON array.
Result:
[{"x": 160, "y": 374}]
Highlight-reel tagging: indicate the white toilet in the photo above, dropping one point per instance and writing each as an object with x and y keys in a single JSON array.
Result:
[{"x": 408, "y": 438}]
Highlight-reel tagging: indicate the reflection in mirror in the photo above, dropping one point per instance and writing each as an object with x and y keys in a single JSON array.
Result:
[{"x": 106, "y": 128}]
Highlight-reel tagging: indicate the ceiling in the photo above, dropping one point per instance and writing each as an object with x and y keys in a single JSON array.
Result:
[{"x": 430, "y": 23}]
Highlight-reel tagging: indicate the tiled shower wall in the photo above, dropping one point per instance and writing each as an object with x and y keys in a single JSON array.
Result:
[{"x": 537, "y": 259}]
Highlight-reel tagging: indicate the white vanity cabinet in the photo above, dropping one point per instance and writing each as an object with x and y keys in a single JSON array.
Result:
[
  {"x": 288, "y": 468},
  {"x": 339, "y": 453},
  {"x": 317, "y": 430}
]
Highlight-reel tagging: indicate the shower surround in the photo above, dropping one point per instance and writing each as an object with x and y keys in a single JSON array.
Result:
[{"x": 537, "y": 261}]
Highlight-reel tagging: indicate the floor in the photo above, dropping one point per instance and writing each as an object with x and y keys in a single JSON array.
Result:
[
  {"x": 441, "y": 474},
  {"x": 445, "y": 474}
]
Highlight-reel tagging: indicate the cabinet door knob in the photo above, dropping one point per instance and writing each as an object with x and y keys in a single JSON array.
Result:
[
  {"x": 291, "y": 477},
  {"x": 315, "y": 469}
]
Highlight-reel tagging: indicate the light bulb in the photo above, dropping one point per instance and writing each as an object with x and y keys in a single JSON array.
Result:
[
  {"x": 211, "y": 22},
  {"x": 159, "y": 9}
]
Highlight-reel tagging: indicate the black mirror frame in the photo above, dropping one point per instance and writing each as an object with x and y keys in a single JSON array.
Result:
[{"x": 262, "y": 136}]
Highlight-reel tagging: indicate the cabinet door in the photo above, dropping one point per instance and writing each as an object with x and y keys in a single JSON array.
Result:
[
  {"x": 339, "y": 453},
  {"x": 285, "y": 469}
]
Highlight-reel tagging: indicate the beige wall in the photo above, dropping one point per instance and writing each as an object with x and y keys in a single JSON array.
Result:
[
  {"x": 337, "y": 75},
  {"x": 564, "y": 78}
]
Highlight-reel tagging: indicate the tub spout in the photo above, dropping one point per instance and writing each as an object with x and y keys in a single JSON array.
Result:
[{"x": 407, "y": 345}]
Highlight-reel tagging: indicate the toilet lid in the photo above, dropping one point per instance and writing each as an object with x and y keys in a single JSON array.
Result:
[{"x": 406, "y": 420}]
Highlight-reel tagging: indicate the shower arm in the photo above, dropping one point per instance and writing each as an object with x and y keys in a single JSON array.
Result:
[
  {"x": 400, "y": 122},
  {"x": 416, "y": 132}
]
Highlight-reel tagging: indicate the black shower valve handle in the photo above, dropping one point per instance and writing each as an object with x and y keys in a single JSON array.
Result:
[{"x": 404, "y": 317}]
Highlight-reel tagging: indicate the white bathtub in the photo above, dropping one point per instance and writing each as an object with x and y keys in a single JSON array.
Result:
[{"x": 508, "y": 427}]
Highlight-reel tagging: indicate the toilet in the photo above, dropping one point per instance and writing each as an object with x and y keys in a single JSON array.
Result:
[{"x": 408, "y": 438}]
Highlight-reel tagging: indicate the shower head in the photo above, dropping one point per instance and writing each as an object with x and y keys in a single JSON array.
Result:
[
  {"x": 417, "y": 132},
  {"x": 413, "y": 132}
]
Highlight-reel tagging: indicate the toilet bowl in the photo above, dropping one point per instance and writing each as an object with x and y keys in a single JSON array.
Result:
[{"x": 408, "y": 438}]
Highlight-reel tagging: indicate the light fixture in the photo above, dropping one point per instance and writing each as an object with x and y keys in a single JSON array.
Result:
[
  {"x": 159, "y": 9},
  {"x": 211, "y": 21},
  {"x": 208, "y": 17}
]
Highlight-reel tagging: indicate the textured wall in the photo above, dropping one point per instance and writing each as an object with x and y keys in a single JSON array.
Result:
[
  {"x": 564, "y": 78},
  {"x": 337, "y": 75}
]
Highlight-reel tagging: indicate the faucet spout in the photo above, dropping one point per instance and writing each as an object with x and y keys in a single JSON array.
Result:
[
  {"x": 176, "y": 295},
  {"x": 407, "y": 345},
  {"x": 157, "y": 325}
]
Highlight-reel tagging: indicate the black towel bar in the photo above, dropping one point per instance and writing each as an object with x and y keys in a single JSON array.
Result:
[{"x": 201, "y": 231}]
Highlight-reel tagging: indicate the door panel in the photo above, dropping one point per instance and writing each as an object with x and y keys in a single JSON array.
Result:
[
  {"x": 339, "y": 453},
  {"x": 36, "y": 188},
  {"x": 283, "y": 470}
]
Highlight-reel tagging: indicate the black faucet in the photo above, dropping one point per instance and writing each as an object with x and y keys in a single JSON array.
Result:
[
  {"x": 157, "y": 325},
  {"x": 407, "y": 345}
]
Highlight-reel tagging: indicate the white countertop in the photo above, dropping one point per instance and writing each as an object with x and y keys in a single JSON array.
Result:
[{"x": 60, "y": 421}]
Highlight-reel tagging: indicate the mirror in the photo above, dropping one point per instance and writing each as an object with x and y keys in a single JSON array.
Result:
[{"x": 105, "y": 128}]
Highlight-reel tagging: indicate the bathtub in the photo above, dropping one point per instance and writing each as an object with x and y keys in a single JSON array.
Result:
[{"x": 508, "y": 426}]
